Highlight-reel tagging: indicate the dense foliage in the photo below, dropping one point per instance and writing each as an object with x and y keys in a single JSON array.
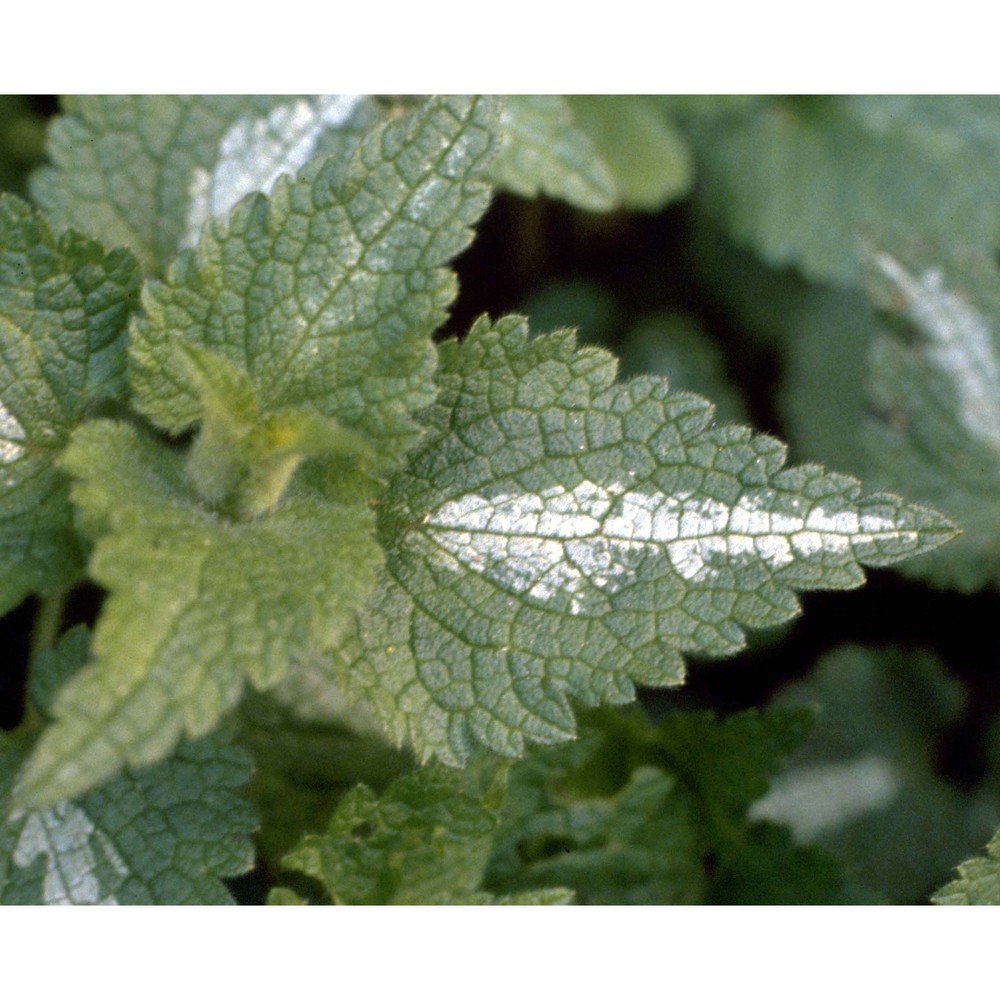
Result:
[{"x": 333, "y": 549}]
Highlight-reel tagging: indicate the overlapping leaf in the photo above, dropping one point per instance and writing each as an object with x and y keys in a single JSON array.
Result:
[
  {"x": 899, "y": 386},
  {"x": 596, "y": 152},
  {"x": 64, "y": 304},
  {"x": 675, "y": 345},
  {"x": 198, "y": 604},
  {"x": 327, "y": 294},
  {"x": 543, "y": 152},
  {"x": 559, "y": 535},
  {"x": 148, "y": 171},
  {"x": 637, "y": 813},
  {"x": 166, "y": 834},
  {"x": 303, "y": 765}
]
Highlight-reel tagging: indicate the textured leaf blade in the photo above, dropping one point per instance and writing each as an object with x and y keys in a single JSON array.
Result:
[
  {"x": 64, "y": 304},
  {"x": 559, "y": 535},
  {"x": 147, "y": 171},
  {"x": 167, "y": 834},
  {"x": 328, "y": 294},
  {"x": 197, "y": 606},
  {"x": 254, "y": 152},
  {"x": 977, "y": 882}
]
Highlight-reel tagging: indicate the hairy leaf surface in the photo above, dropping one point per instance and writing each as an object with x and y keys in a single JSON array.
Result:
[
  {"x": 562, "y": 536},
  {"x": 328, "y": 293},
  {"x": 198, "y": 605},
  {"x": 64, "y": 304},
  {"x": 166, "y": 834}
]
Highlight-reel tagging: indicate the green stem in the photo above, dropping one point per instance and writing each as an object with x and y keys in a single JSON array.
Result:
[{"x": 44, "y": 633}]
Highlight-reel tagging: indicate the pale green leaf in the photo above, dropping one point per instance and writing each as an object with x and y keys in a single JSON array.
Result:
[
  {"x": 198, "y": 605},
  {"x": 800, "y": 179},
  {"x": 167, "y": 834},
  {"x": 64, "y": 303},
  {"x": 328, "y": 293},
  {"x": 282, "y": 896},
  {"x": 148, "y": 171},
  {"x": 559, "y": 535}
]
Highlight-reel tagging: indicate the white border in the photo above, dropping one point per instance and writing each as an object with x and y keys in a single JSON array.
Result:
[{"x": 517, "y": 46}]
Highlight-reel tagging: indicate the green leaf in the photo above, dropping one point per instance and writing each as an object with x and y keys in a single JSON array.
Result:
[
  {"x": 933, "y": 426},
  {"x": 64, "y": 304},
  {"x": 865, "y": 785},
  {"x": 197, "y": 605},
  {"x": 149, "y": 171},
  {"x": 906, "y": 398},
  {"x": 561, "y": 536},
  {"x": 656, "y": 814},
  {"x": 645, "y": 153},
  {"x": 243, "y": 460},
  {"x": 543, "y": 152},
  {"x": 327, "y": 294},
  {"x": 801, "y": 178},
  {"x": 978, "y": 881},
  {"x": 638, "y": 845},
  {"x": 675, "y": 345},
  {"x": 425, "y": 840},
  {"x": 595, "y": 152},
  {"x": 898, "y": 387},
  {"x": 166, "y": 834}
]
